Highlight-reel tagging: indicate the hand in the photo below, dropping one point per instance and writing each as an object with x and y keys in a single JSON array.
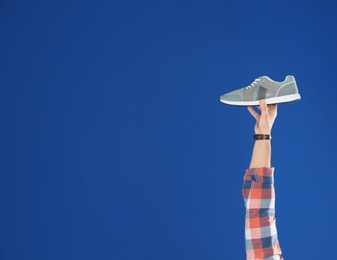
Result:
[{"x": 265, "y": 121}]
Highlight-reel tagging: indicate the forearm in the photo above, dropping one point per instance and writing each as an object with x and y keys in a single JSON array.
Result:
[
  {"x": 261, "y": 155},
  {"x": 262, "y": 149}
]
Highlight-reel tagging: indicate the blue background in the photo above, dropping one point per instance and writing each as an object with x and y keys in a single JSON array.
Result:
[{"x": 114, "y": 144}]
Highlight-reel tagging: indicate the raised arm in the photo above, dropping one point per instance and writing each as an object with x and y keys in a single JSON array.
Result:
[{"x": 259, "y": 194}]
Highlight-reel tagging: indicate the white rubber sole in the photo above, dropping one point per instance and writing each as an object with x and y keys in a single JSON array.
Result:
[{"x": 269, "y": 101}]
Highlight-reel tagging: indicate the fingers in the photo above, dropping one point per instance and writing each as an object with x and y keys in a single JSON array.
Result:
[
  {"x": 270, "y": 107},
  {"x": 263, "y": 108},
  {"x": 273, "y": 108},
  {"x": 253, "y": 113}
]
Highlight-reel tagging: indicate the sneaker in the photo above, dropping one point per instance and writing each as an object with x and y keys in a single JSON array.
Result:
[{"x": 263, "y": 88}]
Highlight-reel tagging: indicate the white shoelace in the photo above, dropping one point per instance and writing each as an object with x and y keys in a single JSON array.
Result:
[{"x": 253, "y": 84}]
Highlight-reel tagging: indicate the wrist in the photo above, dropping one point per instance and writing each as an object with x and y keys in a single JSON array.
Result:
[{"x": 262, "y": 137}]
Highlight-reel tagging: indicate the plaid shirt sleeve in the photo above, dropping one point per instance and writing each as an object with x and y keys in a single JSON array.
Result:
[{"x": 260, "y": 223}]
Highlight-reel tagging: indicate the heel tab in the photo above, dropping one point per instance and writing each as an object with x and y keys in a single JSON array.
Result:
[{"x": 290, "y": 78}]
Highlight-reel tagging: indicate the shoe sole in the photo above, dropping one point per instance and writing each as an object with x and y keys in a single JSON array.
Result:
[{"x": 269, "y": 101}]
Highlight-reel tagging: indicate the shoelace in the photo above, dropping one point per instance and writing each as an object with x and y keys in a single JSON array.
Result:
[{"x": 253, "y": 84}]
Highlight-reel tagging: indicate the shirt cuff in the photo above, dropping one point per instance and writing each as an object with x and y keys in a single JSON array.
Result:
[{"x": 261, "y": 175}]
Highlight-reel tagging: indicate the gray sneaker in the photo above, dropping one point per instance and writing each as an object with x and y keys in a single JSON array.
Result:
[{"x": 263, "y": 88}]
